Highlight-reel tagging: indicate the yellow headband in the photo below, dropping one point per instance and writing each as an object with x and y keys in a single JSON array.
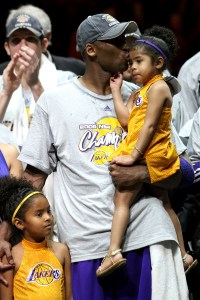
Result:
[{"x": 22, "y": 202}]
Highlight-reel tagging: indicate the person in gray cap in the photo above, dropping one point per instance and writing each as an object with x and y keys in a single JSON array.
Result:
[
  {"x": 73, "y": 137},
  {"x": 25, "y": 38},
  {"x": 72, "y": 64}
]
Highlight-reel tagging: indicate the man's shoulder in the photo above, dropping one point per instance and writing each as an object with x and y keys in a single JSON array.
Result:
[
  {"x": 193, "y": 59},
  {"x": 190, "y": 64},
  {"x": 129, "y": 85},
  {"x": 72, "y": 64},
  {"x": 61, "y": 88}
]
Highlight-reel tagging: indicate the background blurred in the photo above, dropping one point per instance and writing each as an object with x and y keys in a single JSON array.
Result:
[{"x": 182, "y": 16}]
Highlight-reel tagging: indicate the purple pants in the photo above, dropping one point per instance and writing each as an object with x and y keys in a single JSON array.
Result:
[{"x": 131, "y": 282}]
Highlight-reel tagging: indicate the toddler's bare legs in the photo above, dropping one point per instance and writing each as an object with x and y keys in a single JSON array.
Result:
[{"x": 123, "y": 200}]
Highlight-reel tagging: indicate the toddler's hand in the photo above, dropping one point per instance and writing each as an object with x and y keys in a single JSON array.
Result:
[{"x": 124, "y": 160}]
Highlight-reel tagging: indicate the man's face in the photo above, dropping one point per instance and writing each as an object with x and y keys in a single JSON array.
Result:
[
  {"x": 23, "y": 37},
  {"x": 112, "y": 55}
]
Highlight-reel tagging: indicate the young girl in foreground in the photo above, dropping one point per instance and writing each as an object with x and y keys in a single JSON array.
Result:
[
  {"x": 147, "y": 116},
  {"x": 42, "y": 267}
]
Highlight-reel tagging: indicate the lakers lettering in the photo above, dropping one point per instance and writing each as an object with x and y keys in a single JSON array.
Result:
[{"x": 43, "y": 274}]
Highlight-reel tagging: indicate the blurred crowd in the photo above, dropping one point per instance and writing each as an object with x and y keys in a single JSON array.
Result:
[{"x": 182, "y": 16}]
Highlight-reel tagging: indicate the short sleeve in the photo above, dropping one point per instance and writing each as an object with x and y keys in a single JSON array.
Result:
[{"x": 39, "y": 150}]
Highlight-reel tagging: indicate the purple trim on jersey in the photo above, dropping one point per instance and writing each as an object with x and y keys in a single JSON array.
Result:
[
  {"x": 4, "y": 171},
  {"x": 131, "y": 282}
]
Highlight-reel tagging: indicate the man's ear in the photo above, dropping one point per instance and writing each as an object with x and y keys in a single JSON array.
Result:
[
  {"x": 45, "y": 44},
  {"x": 6, "y": 47},
  {"x": 90, "y": 49},
  {"x": 19, "y": 223}
]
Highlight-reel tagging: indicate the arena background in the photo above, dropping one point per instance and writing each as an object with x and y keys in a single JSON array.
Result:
[{"x": 182, "y": 16}]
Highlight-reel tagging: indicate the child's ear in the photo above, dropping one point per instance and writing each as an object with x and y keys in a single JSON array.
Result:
[
  {"x": 19, "y": 223},
  {"x": 160, "y": 62}
]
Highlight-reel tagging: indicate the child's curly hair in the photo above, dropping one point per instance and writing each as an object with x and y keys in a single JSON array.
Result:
[
  {"x": 12, "y": 191},
  {"x": 161, "y": 37}
]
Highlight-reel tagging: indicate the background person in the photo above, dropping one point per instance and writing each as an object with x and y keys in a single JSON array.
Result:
[
  {"x": 187, "y": 102},
  {"x": 72, "y": 64},
  {"x": 25, "y": 37}
]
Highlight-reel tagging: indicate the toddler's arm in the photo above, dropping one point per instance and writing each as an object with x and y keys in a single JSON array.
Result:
[{"x": 121, "y": 110}]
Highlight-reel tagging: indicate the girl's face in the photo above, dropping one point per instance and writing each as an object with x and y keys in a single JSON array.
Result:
[
  {"x": 38, "y": 220},
  {"x": 142, "y": 67}
]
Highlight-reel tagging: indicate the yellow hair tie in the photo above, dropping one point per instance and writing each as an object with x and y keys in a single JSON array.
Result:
[{"x": 22, "y": 202}]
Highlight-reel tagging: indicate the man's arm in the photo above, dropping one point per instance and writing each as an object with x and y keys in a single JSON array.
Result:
[
  {"x": 5, "y": 249},
  {"x": 11, "y": 82},
  {"x": 127, "y": 176},
  {"x": 29, "y": 59},
  {"x": 29, "y": 69},
  {"x": 35, "y": 176},
  {"x": 10, "y": 154},
  {"x": 5, "y": 235}
]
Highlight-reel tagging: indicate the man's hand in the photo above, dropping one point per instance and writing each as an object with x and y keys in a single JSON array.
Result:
[
  {"x": 127, "y": 176},
  {"x": 29, "y": 60},
  {"x": 11, "y": 79},
  {"x": 5, "y": 249}
]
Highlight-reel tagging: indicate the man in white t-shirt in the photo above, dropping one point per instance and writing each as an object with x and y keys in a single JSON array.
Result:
[{"x": 72, "y": 138}]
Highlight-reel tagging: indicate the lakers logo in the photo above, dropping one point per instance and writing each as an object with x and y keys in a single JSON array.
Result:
[
  {"x": 43, "y": 274},
  {"x": 119, "y": 131},
  {"x": 138, "y": 101},
  {"x": 99, "y": 158},
  {"x": 23, "y": 18}
]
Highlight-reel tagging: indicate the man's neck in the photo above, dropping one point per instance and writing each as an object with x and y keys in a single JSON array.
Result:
[{"x": 97, "y": 84}]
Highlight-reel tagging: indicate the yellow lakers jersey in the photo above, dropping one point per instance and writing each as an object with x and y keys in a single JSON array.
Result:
[
  {"x": 161, "y": 156},
  {"x": 40, "y": 275}
]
